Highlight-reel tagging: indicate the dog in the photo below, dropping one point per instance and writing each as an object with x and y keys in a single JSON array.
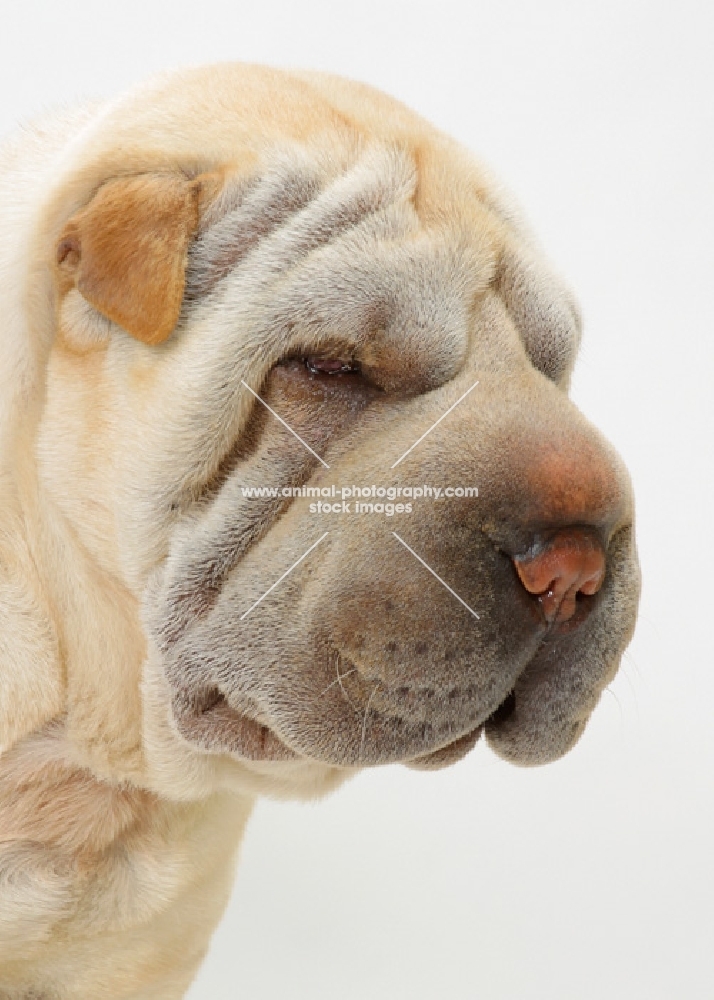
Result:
[{"x": 290, "y": 485}]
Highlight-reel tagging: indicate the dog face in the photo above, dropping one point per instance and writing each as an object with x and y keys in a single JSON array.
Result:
[{"x": 239, "y": 305}]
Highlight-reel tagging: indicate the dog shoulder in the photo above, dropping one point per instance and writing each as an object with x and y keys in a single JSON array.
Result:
[{"x": 31, "y": 685}]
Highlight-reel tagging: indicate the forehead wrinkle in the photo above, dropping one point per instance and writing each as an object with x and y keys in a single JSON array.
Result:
[
  {"x": 254, "y": 208},
  {"x": 297, "y": 181}
]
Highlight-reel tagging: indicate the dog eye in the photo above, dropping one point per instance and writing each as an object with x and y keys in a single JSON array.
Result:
[{"x": 330, "y": 366}]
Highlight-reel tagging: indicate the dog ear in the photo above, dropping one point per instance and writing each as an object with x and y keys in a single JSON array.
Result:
[{"x": 126, "y": 251}]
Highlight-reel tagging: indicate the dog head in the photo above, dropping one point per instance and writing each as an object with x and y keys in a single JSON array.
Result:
[{"x": 267, "y": 286}]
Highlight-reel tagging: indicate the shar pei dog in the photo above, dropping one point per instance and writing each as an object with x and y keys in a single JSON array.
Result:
[{"x": 290, "y": 485}]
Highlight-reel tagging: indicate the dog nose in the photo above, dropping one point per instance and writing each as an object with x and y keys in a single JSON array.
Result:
[{"x": 556, "y": 571}]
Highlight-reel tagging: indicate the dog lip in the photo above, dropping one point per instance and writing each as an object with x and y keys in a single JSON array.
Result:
[
  {"x": 237, "y": 731},
  {"x": 504, "y": 711},
  {"x": 458, "y": 748},
  {"x": 448, "y": 754},
  {"x": 258, "y": 742}
]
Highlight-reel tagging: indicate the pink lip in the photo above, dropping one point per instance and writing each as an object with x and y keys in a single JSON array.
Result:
[{"x": 219, "y": 725}]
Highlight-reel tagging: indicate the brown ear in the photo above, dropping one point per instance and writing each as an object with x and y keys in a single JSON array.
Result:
[{"x": 126, "y": 251}]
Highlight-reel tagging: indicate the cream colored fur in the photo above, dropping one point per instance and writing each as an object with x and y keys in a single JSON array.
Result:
[{"x": 118, "y": 827}]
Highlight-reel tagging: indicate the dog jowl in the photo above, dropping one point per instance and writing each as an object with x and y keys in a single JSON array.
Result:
[{"x": 291, "y": 486}]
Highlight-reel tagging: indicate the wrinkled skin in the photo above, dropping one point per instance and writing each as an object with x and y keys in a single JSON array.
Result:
[
  {"x": 361, "y": 656},
  {"x": 190, "y": 277}
]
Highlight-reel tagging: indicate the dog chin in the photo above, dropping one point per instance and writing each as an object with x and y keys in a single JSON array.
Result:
[
  {"x": 447, "y": 755},
  {"x": 216, "y": 726}
]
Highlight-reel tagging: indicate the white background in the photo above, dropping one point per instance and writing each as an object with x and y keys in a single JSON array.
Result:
[{"x": 590, "y": 878}]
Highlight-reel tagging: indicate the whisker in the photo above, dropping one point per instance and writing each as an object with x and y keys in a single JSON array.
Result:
[
  {"x": 338, "y": 680},
  {"x": 364, "y": 722}
]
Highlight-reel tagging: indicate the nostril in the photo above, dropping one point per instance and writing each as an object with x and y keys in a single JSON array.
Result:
[{"x": 568, "y": 564}]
